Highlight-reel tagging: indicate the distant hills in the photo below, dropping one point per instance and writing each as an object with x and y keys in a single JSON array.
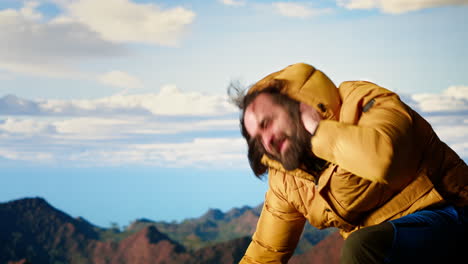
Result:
[{"x": 33, "y": 231}]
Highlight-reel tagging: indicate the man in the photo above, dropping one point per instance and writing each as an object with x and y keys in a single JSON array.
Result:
[{"x": 355, "y": 158}]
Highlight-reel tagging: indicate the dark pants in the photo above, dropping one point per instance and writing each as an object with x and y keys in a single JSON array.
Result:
[{"x": 427, "y": 236}]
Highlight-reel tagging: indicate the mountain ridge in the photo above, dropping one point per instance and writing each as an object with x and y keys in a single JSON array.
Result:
[{"x": 35, "y": 231}]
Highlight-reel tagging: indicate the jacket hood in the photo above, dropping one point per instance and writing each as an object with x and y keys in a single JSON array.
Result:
[{"x": 306, "y": 84}]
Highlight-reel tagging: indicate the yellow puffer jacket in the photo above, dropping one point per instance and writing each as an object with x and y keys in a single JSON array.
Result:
[{"x": 385, "y": 162}]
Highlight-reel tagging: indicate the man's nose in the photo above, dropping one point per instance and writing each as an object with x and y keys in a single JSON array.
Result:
[{"x": 267, "y": 139}]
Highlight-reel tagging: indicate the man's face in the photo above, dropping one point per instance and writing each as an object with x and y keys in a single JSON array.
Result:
[{"x": 281, "y": 134}]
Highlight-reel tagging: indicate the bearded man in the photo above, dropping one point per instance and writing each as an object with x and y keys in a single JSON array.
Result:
[{"x": 355, "y": 158}]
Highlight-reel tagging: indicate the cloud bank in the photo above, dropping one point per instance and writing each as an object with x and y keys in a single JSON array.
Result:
[
  {"x": 169, "y": 101},
  {"x": 84, "y": 30},
  {"x": 454, "y": 99},
  {"x": 298, "y": 10},
  {"x": 398, "y": 6},
  {"x": 233, "y": 2},
  {"x": 124, "y": 21},
  {"x": 46, "y": 48},
  {"x": 171, "y": 128}
]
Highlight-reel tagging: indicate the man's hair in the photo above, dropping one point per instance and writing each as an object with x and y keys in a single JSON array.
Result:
[{"x": 238, "y": 96}]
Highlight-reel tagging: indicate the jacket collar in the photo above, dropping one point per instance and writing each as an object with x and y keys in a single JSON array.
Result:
[{"x": 273, "y": 164}]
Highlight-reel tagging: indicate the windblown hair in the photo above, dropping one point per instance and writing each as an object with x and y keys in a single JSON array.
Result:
[{"x": 239, "y": 96}]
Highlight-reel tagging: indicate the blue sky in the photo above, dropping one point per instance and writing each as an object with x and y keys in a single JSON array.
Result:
[{"x": 115, "y": 110}]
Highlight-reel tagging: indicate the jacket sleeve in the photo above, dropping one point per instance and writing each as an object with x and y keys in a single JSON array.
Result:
[
  {"x": 278, "y": 231},
  {"x": 373, "y": 138}
]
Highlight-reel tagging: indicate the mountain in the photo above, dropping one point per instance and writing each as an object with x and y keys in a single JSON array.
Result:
[
  {"x": 215, "y": 227},
  {"x": 32, "y": 231},
  {"x": 147, "y": 246},
  {"x": 225, "y": 252},
  {"x": 211, "y": 228}
]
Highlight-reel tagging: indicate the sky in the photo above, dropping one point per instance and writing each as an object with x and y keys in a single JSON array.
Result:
[{"x": 115, "y": 110}]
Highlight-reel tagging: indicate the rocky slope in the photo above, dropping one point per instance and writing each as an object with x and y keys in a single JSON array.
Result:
[{"x": 32, "y": 231}]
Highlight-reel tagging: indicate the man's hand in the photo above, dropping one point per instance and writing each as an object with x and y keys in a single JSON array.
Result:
[{"x": 310, "y": 117}]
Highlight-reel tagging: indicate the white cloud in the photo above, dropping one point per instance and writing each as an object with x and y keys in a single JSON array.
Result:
[
  {"x": 17, "y": 126},
  {"x": 122, "y": 130},
  {"x": 291, "y": 9},
  {"x": 201, "y": 152},
  {"x": 358, "y": 4},
  {"x": 33, "y": 46},
  {"x": 453, "y": 99},
  {"x": 125, "y": 21},
  {"x": 87, "y": 128},
  {"x": 169, "y": 101},
  {"x": 12, "y": 105},
  {"x": 85, "y": 29},
  {"x": 233, "y": 2},
  {"x": 174, "y": 127},
  {"x": 28, "y": 11},
  {"x": 447, "y": 113},
  {"x": 461, "y": 148},
  {"x": 32, "y": 39},
  {"x": 120, "y": 79},
  {"x": 453, "y": 130},
  {"x": 115, "y": 142},
  {"x": 460, "y": 92},
  {"x": 32, "y": 156},
  {"x": 93, "y": 128},
  {"x": 398, "y": 6}
]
